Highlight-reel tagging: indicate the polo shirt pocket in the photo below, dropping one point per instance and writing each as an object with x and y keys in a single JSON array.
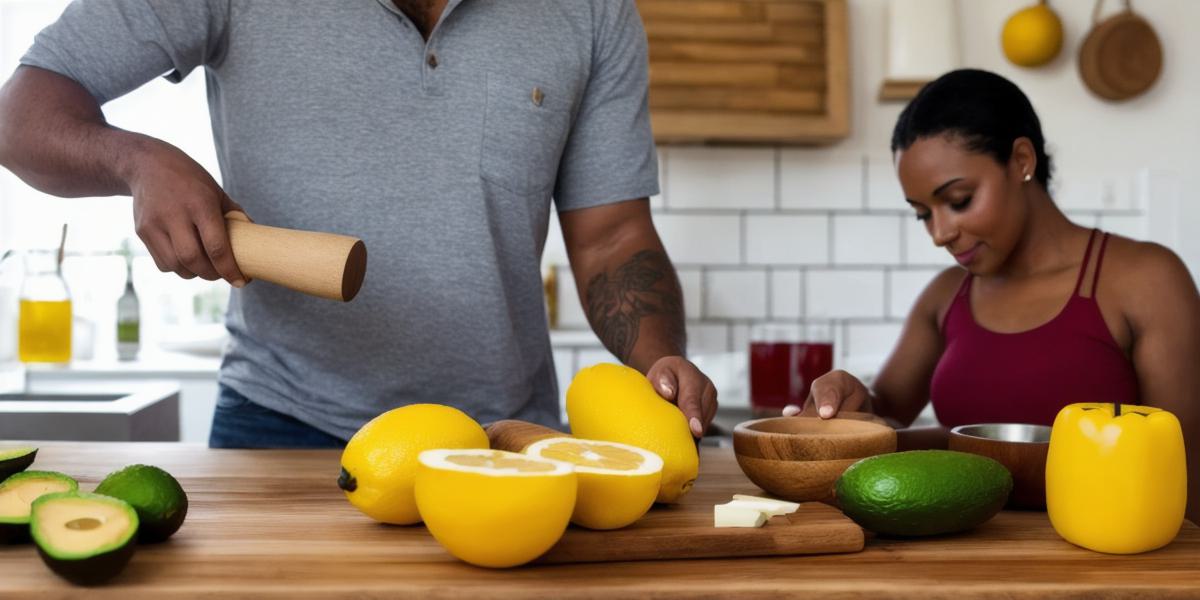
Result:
[{"x": 524, "y": 131}]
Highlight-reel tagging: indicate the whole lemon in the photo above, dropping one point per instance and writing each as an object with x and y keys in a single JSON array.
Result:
[
  {"x": 1033, "y": 36},
  {"x": 615, "y": 403},
  {"x": 379, "y": 464}
]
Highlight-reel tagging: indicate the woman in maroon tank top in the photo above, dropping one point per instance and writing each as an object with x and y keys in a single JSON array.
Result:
[{"x": 1042, "y": 312}]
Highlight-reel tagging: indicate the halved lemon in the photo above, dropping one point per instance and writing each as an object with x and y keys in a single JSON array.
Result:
[
  {"x": 617, "y": 482},
  {"x": 493, "y": 508}
]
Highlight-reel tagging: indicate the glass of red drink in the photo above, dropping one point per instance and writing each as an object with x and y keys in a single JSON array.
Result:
[{"x": 785, "y": 358}]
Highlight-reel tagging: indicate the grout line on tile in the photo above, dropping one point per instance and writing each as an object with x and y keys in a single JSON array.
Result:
[
  {"x": 778, "y": 178},
  {"x": 742, "y": 242},
  {"x": 864, "y": 174}
]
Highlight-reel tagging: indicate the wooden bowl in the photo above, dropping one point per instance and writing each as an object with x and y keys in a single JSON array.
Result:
[
  {"x": 800, "y": 458},
  {"x": 1020, "y": 448}
]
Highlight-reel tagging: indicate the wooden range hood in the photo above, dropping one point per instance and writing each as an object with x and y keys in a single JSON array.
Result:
[{"x": 748, "y": 71}]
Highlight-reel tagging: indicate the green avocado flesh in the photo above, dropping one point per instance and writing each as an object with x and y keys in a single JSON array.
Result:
[
  {"x": 923, "y": 492},
  {"x": 159, "y": 500},
  {"x": 15, "y": 460},
  {"x": 18, "y": 492},
  {"x": 86, "y": 539}
]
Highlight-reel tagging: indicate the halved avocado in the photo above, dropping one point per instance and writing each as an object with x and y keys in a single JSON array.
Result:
[
  {"x": 15, "y": 460},
  {"x": 86, "y": 538},
  {"x": 18, "y": 492}
]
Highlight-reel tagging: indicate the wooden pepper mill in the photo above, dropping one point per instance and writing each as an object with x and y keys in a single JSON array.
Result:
[{"x": 326, "y": 265}]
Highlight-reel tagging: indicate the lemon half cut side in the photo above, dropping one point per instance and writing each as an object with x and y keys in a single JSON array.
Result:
[{"x": 617, "y": 482}]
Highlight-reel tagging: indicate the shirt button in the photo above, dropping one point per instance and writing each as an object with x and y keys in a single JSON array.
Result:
[{"x": 432, "y": 61}]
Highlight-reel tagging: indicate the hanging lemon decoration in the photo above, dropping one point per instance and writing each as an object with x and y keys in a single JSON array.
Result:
[{"x": 1033, "y": 36}]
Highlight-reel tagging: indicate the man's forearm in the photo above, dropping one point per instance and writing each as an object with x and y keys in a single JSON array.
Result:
[
  {"x": 636, "y": 308},
  {"x": 54, "y": 137}
]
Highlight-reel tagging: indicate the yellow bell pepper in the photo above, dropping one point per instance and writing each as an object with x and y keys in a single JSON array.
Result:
[{"x": 1116, "y": 477}]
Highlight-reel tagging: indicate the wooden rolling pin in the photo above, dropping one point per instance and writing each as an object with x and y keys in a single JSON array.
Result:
[
  {"x": 515, "y": 436},
  {"x": 326, "y": 265}
]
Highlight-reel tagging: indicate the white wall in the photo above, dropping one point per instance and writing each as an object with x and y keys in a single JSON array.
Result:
[{"x": 786, "y": 233}]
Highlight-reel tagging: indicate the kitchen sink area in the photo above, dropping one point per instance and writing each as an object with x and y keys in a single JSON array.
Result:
[{"x": 144, "y": 412}]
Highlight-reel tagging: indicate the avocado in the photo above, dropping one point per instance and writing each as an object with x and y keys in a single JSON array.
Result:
[
  {"x": 86, "y": 539},
  {"x": 159, "y": 500},
  {"x": 18, "y": 492},
  {"x": 15, "y": 460},
  {"x": 923, "y": 492}
]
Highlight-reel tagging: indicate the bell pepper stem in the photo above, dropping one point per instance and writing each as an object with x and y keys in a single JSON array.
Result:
[{"x": 1116, "y": 409}]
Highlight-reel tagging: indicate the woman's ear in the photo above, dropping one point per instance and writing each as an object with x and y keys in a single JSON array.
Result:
[{"x": 1022, "y": 165}]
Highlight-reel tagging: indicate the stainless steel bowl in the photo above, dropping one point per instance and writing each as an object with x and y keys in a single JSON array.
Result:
[{"x": 1006, "y": 432}]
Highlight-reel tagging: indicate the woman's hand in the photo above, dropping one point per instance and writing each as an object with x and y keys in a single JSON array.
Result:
[
  {"x": 832, "y": 392},
  {"x": 678, "y": 380}
]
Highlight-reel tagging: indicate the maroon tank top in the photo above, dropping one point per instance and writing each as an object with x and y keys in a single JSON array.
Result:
[{"x": 1027, "y": 377}]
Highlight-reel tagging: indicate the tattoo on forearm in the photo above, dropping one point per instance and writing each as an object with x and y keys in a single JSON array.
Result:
[{"x": 645, "y": 285}]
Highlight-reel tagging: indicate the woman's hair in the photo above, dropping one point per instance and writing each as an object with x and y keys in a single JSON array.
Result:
[{"x": 984, "y": 110}]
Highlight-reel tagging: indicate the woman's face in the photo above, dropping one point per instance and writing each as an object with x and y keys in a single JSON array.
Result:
[{"x": 971, "y": 205}]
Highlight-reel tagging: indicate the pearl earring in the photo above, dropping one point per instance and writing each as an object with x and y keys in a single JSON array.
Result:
[{"x": 1028, "y": 177}]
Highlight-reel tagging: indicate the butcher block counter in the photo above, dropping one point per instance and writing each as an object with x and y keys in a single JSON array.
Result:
[{"x": 274, "y": 524}]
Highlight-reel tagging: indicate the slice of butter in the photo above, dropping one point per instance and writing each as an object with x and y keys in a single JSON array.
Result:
[
  {"x": 770, "y": 506},
  {"x": 733, "y": 514}
]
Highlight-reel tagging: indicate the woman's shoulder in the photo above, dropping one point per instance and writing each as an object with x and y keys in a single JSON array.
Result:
[
  {"x": 1137, "y": 271},
  {"x": 935, "y": 301}
]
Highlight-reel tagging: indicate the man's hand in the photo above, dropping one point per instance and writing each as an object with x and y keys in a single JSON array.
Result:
[
  {"x": 178, "y": 211},
  {"x": 678, "y": 380}
]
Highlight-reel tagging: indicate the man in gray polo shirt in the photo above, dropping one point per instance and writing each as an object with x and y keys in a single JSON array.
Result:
[{"x": 438, "y": 131}]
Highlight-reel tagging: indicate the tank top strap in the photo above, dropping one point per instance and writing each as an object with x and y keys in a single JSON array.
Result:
[
  {"x": 1099, "y": 261},
  {"x": 1087, "y": 257}
]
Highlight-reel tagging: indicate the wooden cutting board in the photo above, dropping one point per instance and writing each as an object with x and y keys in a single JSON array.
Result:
[{"x": 686, "y": 531}]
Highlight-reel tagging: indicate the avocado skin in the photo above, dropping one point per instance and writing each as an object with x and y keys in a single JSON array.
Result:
[
  {"x": 923, "y": 492},
  {"x": 154, "y": 528},
  {"x": 153, "y": 531},
  {"x": 16, "y": 464},
  {"x": 94, "y": 570}
]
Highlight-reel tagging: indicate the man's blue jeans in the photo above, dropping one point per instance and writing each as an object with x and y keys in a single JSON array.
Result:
[{"x": 240, "y": 423}]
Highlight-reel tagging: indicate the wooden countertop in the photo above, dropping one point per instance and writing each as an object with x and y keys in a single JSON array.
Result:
[{"x": 273, "y": 524}]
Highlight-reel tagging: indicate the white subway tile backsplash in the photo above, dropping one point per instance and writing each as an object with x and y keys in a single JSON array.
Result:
[
  {"x": 707, "y": 338},
  {"x": 564, "y": 368},
  {"x": 919, "y": 248},
  {"x": 1132, "y": 227},
  {"x": 870, "y": 240},
  {"x": 1084, "y": 218},
  {"x": 735, "y": 294},
  {"x": 1073, "y": 189},
  {"x": 844, "y": 294},
  {"x": 869, "y": 344},
  {"x": 701, "y": 239},
  {"x": 689, "y": 280},
  {"x": 588, "y": 357},
  {"x": 786, "y": 293},
  {"x": 883, "y": 188},
  {"x": 657, "y": 201},
  {"x": 570, "y": 311},
  {"x": 787, "y": 239},
  {"x": 904, "y": 287},
  {"x": 555, "y": 250},
  {"x": 720, "y": 178},
  {"x": 739, "y": 337},
  {"x": 818, "y": 179}
]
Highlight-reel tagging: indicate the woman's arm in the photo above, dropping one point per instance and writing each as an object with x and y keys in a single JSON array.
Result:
[
  {"x": 901, "y": 390},
  {"x": 1161, "y": 304}
]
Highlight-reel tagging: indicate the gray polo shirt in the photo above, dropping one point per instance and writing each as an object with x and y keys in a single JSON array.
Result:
[{"x": 443, "y": 156}]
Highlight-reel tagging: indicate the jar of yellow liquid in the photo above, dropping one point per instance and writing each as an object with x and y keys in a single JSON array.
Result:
[{"x": 44, "y": 318}]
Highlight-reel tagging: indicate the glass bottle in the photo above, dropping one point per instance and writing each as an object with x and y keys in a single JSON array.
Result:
[
  {"x": 128, "y": 315},
  {"x": 44, "y": 321}
]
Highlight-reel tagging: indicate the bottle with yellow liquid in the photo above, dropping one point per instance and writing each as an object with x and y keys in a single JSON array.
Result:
[{"x": 44, "y": 318}]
